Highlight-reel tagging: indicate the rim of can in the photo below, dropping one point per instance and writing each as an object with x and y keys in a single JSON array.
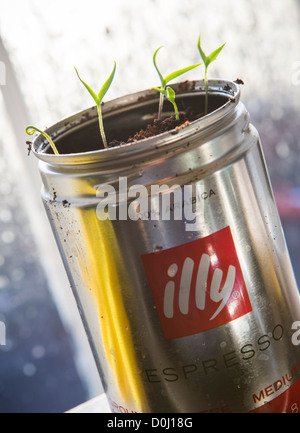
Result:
[{"x": 118, "y": 106}]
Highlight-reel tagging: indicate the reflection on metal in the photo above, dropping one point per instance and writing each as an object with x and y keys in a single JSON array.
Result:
[{"x": 101, "y": 270}]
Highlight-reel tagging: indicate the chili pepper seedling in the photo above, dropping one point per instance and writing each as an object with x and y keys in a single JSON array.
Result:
[
  {"x": 171, "y": 97},
  {"x": 207, "y": 60},
  {"x": 169, "y": 93},
  {"x": 98, "y": 99},
  {"x": 30, "y": 130},
  {"x": 165, "y": 81}
]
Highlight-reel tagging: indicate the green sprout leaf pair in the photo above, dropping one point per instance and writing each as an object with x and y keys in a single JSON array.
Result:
[
  {"x": 98, "y": 99},
  {"x": 30, "y": 130},
  {"x": 207, "y": 61},
  {"x": 168, "y": 92}
]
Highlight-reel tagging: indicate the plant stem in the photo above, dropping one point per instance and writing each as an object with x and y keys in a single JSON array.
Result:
[
  {"x": 30, "y": 130},
  {"x": 51, "y": 143},
  {"x": 176, "y": 112},
  {"x": 101, "y": 126},
  {"x": 206, "y": 92},
  {"x": 160, "y": 107}
]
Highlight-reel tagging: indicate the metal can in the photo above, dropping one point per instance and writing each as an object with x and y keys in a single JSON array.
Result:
[{"x": 189, "y": 301}]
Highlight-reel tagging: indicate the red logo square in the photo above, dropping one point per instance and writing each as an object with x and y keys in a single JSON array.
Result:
[{"x": 197, "y": 286}]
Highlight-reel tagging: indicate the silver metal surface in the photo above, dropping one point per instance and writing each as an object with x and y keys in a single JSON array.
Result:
[{"x": 229, "y": 365}]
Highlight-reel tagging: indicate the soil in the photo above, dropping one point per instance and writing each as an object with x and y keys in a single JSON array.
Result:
[{"x": 158, "y": 127}]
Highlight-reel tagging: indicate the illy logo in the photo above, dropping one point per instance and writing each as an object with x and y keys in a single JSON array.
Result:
[
  {"x": 202, "y": 290},
  {"x": 197, "y": 286}
]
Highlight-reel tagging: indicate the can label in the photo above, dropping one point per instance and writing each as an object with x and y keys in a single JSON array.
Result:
[
  {"x": 197, "y": 286},
  {"x": 287, "y": 402}
]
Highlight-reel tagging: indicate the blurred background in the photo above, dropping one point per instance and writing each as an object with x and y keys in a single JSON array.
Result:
[{"x": 46, "y": 364}]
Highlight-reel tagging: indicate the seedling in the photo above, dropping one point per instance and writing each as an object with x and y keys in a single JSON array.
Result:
[
  {"x": 169, "y": 93},
  {"x": 98, "y": 99},
  {"x": 207, "y": 60},
  {"x": 165, "y": 81},
  {"x": 171, "y": 97},
  {"x": 30, "y": 130}
]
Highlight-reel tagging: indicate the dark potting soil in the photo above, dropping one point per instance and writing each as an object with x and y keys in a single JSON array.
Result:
[
  {"x": 188, "y": 114},
  {"x": 164, "y": 125},
  {"x": 158, "y": 127}
]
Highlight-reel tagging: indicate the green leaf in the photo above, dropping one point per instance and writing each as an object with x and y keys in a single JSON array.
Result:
[
  {"x": 215, "y": 54},
  {"x": 158, "y": 71},
  {"x": 170, "y": 94},
  {"x": 203, "y": 56},
  {"x": 179, "y": 72},
  {"x": 89, "y": 89},
  {"x": 107, "y": 84},
  {"x": 159, "y": 89}
]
